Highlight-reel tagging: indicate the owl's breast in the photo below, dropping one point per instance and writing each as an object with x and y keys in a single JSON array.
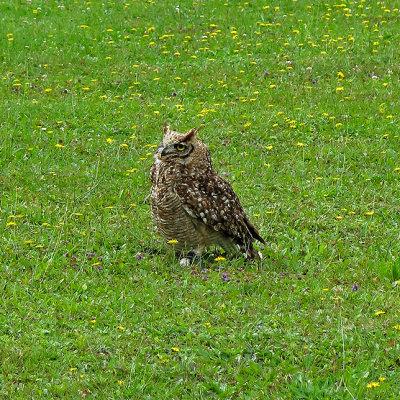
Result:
[{"x": 172, "y": 221}]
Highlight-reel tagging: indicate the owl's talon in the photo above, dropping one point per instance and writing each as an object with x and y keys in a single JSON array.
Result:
[
  {"x": 188, "y": 259},
  {"x": 185, "y": 262}
]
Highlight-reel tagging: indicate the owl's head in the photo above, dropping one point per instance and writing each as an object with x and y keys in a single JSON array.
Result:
[{"x": 182, "y": 147}]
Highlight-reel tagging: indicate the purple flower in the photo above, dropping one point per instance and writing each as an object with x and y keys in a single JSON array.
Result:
[
  {"x": 225, "y": 277},
  {"x": 90, "y": 255},
  {"x": 355, "y": 287},
  {"x": 139, "y": 256}
]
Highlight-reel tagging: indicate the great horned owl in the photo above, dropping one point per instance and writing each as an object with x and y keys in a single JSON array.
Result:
[{"x": 192, "y": 206}]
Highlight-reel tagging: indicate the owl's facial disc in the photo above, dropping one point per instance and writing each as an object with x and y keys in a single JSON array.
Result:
[
  {"x": 177, "y": 145},
  {"x": 177, "y": 150}
]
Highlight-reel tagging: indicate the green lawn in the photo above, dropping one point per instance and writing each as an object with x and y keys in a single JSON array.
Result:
[{"x": 301, "y": 104}]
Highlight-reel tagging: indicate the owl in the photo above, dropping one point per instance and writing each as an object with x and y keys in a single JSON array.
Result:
[{"x": 194, "y": 207}]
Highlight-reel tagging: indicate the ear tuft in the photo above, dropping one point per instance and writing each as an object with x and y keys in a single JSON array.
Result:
[
  {"x": 193, "y": 132},
  {"x": 167, "y": 131}
]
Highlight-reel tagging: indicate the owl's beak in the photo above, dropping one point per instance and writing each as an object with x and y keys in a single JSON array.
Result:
[{"x": 167, "y": 150}]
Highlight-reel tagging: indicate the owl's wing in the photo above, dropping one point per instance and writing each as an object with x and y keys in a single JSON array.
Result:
[{"x": 212, "y": 199}]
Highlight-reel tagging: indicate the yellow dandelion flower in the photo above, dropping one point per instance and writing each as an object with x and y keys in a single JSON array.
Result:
[
  {"x": 397, "y": 327},
  {"x": 175, "y": 349},
  {"x": 59, "y": 146},
  {"x": 172, "y": 241},
  {"x": 220, "y": 258},
  {"x": 369, "y": 213},
  {"x": 380, "y": 312},
  {"x": 109, "y": 140}
]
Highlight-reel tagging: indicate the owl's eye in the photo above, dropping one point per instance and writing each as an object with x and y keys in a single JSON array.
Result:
[{"x": 180, "y": 146}]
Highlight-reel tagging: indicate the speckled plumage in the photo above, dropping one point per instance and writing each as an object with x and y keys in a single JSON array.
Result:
[{"x": 190, "y": 203}]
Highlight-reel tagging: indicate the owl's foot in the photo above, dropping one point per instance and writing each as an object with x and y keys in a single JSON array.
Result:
[{"x": 189, "y": 259}]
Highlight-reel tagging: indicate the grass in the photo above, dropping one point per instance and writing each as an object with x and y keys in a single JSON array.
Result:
[{"x": 300, "y": 103}]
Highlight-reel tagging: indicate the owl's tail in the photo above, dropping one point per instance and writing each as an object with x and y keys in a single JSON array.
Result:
[{"x": 253, "y": 231}]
